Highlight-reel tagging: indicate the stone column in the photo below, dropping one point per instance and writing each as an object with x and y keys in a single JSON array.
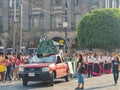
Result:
[{"x": 106, "y": 3}]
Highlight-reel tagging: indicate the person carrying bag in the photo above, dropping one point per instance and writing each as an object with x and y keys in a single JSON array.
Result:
[
  {"x": 82, "y": 68},
  {"x": 80, "y": 71}
]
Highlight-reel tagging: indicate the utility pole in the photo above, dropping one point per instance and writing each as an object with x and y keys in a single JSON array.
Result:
[
  {"x": 65, "y": 24},
  {"x": 21, "y": 25},
  {"x": 14, "y": 29}
]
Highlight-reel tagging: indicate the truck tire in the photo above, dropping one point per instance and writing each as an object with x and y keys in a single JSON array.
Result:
[
  {"x": 66, "y": 78},
  {"x": 52, "y": 80},
  {"x": 25, "y": 82}
]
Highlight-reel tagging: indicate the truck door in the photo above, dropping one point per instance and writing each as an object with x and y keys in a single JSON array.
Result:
[{"x": 59, "y": 68}]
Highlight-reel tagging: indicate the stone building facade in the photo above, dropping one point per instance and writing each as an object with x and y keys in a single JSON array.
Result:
[
  {"x": 49, "y": 14},
  {"x": 53, "y": 17}
]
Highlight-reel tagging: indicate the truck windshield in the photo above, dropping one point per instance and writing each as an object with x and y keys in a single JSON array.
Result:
[{"x": 49, "y": 59}]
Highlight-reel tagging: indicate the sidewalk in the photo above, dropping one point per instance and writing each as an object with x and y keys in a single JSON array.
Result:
[
  {"x": 9, "y": 82},
  {"x": 104, "y": 82}
]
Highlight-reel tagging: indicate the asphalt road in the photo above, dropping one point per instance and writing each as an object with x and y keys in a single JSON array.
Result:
[{"x": 104, "y": 82}]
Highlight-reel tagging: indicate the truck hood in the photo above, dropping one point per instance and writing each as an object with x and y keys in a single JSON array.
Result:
[{"x": 36, "y": 65}]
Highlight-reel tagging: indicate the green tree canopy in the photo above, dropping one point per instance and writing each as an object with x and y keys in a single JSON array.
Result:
[{"x": 100, "y": 29}]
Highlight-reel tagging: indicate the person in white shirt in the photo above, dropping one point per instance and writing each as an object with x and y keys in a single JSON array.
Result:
[
  {"x": 101, "y": 59},
  {"x": 90, "y": 61},
  {"x": 96, "y": 68},
  {"x": 107, "y": 65}
]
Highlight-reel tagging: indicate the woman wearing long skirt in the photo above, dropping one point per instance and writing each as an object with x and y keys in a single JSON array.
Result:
[
  {"x": 96, "y": 68},
  {"x": 107, "y": 65}
]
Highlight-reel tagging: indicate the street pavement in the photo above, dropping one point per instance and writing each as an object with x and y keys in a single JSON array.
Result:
[{"x": 104, "y": 82}]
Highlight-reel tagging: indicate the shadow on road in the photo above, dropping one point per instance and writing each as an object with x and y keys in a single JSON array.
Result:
[
  {"x": 31, "y": 85},
  {"x": 99, "y": 87},
  {"x": 35, "y": 85}
]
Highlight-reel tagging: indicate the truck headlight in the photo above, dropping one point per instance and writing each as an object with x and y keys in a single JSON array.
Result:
[
  {"x": 21, "y": 69},
  {"x": 45, "y": 69}
]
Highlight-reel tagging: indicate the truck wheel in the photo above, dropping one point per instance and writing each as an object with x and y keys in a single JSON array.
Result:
[
  {"x": 66, "y": 78},
  {"x": 24, "y": 82},
  {"x": 52, "y": 80}
]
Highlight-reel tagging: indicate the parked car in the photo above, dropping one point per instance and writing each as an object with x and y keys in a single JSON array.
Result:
[{"x": 44, "y": 68}]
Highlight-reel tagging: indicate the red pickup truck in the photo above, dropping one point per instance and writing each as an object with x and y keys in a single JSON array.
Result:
[{"x": 44, "y": 69}]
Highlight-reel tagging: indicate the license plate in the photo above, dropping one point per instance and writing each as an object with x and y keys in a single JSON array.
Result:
[{"x": 31, "y": 74}]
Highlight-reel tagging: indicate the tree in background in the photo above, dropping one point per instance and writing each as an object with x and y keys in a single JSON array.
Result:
[
  {"x": 32, "y": 38},
  {"x": 100, "y": 29},
  {"x": 9, "y": 40}
]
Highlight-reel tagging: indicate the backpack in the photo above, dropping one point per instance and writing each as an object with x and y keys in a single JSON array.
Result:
[{"x": 82, "y": 68}]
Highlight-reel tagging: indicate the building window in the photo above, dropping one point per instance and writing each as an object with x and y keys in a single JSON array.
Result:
[
  {"x": 41, "y": 21},
  {"x": 41, "y": 25},
  {"x": 41, "y": 3},
  {"x": 1, "y": 3},
  {"x": 93, "y": 1},
  {"x": 117, "y": 3},
  {"x": 36, "y": 21},
  {"x": 1, "y": 24},
  {"x": 58, "y": 2},
  {"x": 30, "y": 2},
  {"x": 35, "y": 3},
  {"x": 77, "y": 2},
  {"x": 11, "y": 3},
  {"x": 110, "y": 3},
  {"x": 10, "y": 22},
  {"x": 18, "y": 3},
  {"x": 51, "y": 2},
  {"x": 18, "y": 18},
  {"x": 31, "y": 24},
  {"x": 58, "y": 21}
]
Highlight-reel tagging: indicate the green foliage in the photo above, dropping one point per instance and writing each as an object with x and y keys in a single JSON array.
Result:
[
  {"x": 33, "y": 35},
  {"x": 100, "y": 29}
]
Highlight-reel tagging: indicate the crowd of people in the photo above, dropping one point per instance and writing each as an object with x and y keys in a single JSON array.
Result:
[
  {"x": 9, "y": 65},
  {"x": 96, "y": 65}
]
